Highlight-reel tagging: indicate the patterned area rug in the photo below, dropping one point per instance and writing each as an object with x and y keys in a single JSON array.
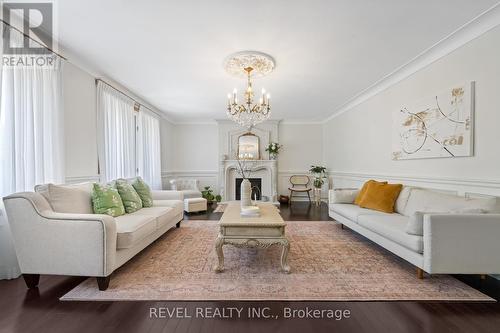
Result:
[{"x": 327, "y": 263}]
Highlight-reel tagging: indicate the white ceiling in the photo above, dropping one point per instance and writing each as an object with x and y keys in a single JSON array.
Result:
[{"x": 170, "y": 53}]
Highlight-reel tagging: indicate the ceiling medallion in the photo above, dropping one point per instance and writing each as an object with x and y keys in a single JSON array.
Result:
[
  {"x": 261, "y": 63},
  {"x": 249, "y": 64}
]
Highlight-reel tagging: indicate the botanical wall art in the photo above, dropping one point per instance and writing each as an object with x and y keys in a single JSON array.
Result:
[{"x": 437, "y": 126}]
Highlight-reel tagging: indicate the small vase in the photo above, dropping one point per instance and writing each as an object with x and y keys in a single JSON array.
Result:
[
  {"x": 246, "y": 193},
  {"x": 273, "y": 156}
]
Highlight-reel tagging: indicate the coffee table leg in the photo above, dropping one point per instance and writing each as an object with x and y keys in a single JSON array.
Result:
[
  {"x": 220, "y": 254},
  {"x": 284, "y": 256}
]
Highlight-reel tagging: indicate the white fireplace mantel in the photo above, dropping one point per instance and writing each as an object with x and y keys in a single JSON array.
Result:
[{"x": 267, "y": 170}]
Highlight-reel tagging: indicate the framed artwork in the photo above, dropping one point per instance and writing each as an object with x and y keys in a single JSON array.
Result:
[{"x": 437, "y": 126}]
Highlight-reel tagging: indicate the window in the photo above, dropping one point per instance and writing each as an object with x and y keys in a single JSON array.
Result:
[{"x": 129, "y": 143}]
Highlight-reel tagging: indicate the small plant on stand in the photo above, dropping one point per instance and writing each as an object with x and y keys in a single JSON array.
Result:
[
  {"x": 273, "y": 148},
  {"x": 319, "y": 173}
]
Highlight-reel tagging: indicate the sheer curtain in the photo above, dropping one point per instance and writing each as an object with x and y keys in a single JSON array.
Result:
[
  {"x": 148, "y": 148},
  {"x": 31, "y": 137},
  {"x": 116, "y": 121}
]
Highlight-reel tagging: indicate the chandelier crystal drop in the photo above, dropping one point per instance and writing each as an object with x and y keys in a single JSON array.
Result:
[{"x": 247, "y": 113}]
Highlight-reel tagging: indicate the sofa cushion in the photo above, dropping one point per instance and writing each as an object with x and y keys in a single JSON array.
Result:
[
  {"x": 144, "y": 192},
  {"x": 131, "y": 229},
  {"x": 416, "y": 221},
  {"x": 74, "y": 199},
  {"x": 191, "y": 194},
  {"x": 343, "y": 195},
  {"x": 364, "y": 188},
  {"x": 107, "y": 200},
  {"x": 381, "y": 197},
  {"x": 393, "y": 227},
  {"x": 352, "y": 212},
  {"x": 432, "y": 201},
  {"x": 402, "y": 200},
  {"x": 163, "y": 215},
  {"x": 177, "y": 205},
  {"x": 131, "y": 200}
]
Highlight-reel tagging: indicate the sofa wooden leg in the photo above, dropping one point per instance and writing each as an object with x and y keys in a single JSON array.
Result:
[
  {"x": 420, "y": 273},
  {"x": 178, "y": 224},
  {"x": 103, "y": 282},
  {"x": 31, "y": 280}
]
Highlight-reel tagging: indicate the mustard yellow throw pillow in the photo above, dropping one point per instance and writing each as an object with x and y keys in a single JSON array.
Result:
[
  {"x": 381, "y": 197},
  {"x": 363, "y": 190}
]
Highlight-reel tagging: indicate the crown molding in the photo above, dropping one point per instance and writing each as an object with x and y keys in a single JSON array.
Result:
[
  {"x": 461, "y": 36},
  {"x": 195, "y": 122}
]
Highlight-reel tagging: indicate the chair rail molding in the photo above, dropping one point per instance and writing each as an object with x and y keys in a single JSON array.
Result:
[
  {"x": 467, "y": 187},
  {"x": 82, "y": 179}
]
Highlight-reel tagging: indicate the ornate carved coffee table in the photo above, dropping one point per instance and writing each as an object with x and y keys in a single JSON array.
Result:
[{"x": 260, "y": 232}]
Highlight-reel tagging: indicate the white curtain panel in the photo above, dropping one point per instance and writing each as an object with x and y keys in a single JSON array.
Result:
[
  {"x": 148, "y": 148},
  {"x": 117, "y": 134},
  {"x": 31, "y": 137}
]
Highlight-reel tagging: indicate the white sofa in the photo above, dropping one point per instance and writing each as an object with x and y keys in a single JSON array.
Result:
[
  {"x": 62, "y": 242},
  {"x": 451, "y": 242}
]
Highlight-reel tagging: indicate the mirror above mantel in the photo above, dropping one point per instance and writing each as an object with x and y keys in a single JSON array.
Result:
[{"x": 248, "y": 146}]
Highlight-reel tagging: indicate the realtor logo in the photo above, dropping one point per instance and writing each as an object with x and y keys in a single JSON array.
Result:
[{"x": 34, "y": 21}]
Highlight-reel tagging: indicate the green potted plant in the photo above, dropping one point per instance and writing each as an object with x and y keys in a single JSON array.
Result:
[
  {"x": 273, "y": 148},
  {"x": 208, "y": 194},
  {"x": 319, "y": 173}
]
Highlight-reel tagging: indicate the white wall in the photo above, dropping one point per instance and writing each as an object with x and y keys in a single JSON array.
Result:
[
  {"x": 302, "y": 147},
  {"x": 359, "y": 140},
  {"x": 196, "y": 147},
  {"x": 190, "y": 151}
]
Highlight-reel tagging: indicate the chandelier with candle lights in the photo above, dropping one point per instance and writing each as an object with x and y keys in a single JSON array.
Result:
[{"x": 249, "y": 64}]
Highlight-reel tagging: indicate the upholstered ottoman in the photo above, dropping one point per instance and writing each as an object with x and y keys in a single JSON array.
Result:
[{"x": 195, "y": 205}]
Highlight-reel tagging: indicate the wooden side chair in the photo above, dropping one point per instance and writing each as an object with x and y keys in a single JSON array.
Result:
[{"x": 300, "y": 183}]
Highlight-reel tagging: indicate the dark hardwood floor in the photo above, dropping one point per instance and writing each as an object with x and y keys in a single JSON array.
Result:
[
  {"x": 40, "y": 310},
  {"x": 296, "y": 211}
]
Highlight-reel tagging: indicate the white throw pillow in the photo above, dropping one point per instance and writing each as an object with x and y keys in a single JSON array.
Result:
[
  {"x": 74, "y": 199},
  {"x": 343, "y": 196},
  {"x": 402, "y": 200},
  {"x": 415, "y": 224}
]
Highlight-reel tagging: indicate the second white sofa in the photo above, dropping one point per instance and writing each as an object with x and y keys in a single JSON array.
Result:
[{"x": 453, "y": 241}]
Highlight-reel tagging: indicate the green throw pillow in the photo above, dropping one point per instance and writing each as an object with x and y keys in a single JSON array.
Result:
[
  {"x": 130, "y": 198},
  {"x": 144, "y": 192},
  {"x": 106, "y": 200}
]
